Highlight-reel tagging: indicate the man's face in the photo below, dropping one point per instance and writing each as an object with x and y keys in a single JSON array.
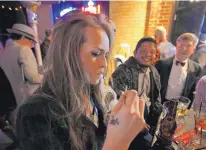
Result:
[
  {"x": 184, "y": 48},
  {"x": 146, "y": 53},
  {"x": 27, "y": 42}
]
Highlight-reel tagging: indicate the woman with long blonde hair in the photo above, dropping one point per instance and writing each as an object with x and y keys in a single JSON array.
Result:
[{"x": 68, "y": 111}]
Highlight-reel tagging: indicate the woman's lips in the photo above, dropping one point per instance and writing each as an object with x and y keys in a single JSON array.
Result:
[{"x": 100, "y": 75}]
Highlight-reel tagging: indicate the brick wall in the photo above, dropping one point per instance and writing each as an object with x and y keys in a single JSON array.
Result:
[
  {"x": 160, "y": 13},
  {"x": 135, "y": 19},
  {"x": 129, "y": 18}
]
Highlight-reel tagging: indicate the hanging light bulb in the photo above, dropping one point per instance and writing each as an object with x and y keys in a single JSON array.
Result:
[
  {"x": 10, "y": 8},
  {"x": 16, "y": 9},
  {"x": 20, "y": 7},
  {"x": 2, "y": 6}
]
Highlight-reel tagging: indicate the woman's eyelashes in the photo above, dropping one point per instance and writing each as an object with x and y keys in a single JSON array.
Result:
[
  {"x": 95, "y": 54},
  {"x": 100, "y": 53}
]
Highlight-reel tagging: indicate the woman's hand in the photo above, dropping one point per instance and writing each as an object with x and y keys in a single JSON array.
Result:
[{"x": 126, "y": 121}]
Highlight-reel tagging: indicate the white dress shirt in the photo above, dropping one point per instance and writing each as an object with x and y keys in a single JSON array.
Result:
[{"x": 177, "y": 79}]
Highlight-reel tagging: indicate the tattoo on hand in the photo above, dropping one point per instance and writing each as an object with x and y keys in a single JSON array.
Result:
[{"x": 114, "y": 121}]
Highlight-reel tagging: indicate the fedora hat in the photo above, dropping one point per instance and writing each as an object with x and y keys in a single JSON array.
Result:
[{"x": 23, "y": 30}]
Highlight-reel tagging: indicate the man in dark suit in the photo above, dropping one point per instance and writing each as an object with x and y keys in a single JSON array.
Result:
[{"x": 179, "y": 74}]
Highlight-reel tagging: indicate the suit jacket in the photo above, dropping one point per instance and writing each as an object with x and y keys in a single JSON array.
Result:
[
  {"x": 164, "y": 67},
  {"x": 20, "y": 67}
]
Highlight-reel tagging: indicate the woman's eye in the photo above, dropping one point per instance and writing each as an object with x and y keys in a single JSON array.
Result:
[{"x": 95, "y": 54}]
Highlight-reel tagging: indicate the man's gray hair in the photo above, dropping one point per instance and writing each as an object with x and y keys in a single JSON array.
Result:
[{"x": 189, "y": 37}]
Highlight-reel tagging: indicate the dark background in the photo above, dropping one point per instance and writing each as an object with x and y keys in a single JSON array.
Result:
[{"x": 9, "y": 17}]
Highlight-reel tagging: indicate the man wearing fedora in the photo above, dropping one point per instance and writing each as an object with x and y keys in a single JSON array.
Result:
[{"x": 19, "y": 63}]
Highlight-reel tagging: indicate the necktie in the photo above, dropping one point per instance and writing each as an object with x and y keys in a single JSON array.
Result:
[{"x": 181, "y": 63}]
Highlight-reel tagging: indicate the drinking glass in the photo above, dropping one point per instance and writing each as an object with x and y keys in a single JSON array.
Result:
[
  {"x": 168, "y": 123},
  {"x": 183, "y": 104},
  {"x": 200, "y": 123},
  {"x": 170, "y": 107}
]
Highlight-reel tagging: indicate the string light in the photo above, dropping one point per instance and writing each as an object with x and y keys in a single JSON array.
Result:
[{"x": 11, "y": 8}]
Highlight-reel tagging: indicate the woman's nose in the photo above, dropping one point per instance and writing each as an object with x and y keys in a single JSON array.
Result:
[{"x": 103, "y": 62}]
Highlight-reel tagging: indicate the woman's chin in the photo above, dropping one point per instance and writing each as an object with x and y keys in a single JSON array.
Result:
[{"x": 95, "y": 82}]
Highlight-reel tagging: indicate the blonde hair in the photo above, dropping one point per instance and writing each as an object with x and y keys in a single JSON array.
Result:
[
  {"x": 64, "y": 75},
  {"x": 161, "y": 29}
]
